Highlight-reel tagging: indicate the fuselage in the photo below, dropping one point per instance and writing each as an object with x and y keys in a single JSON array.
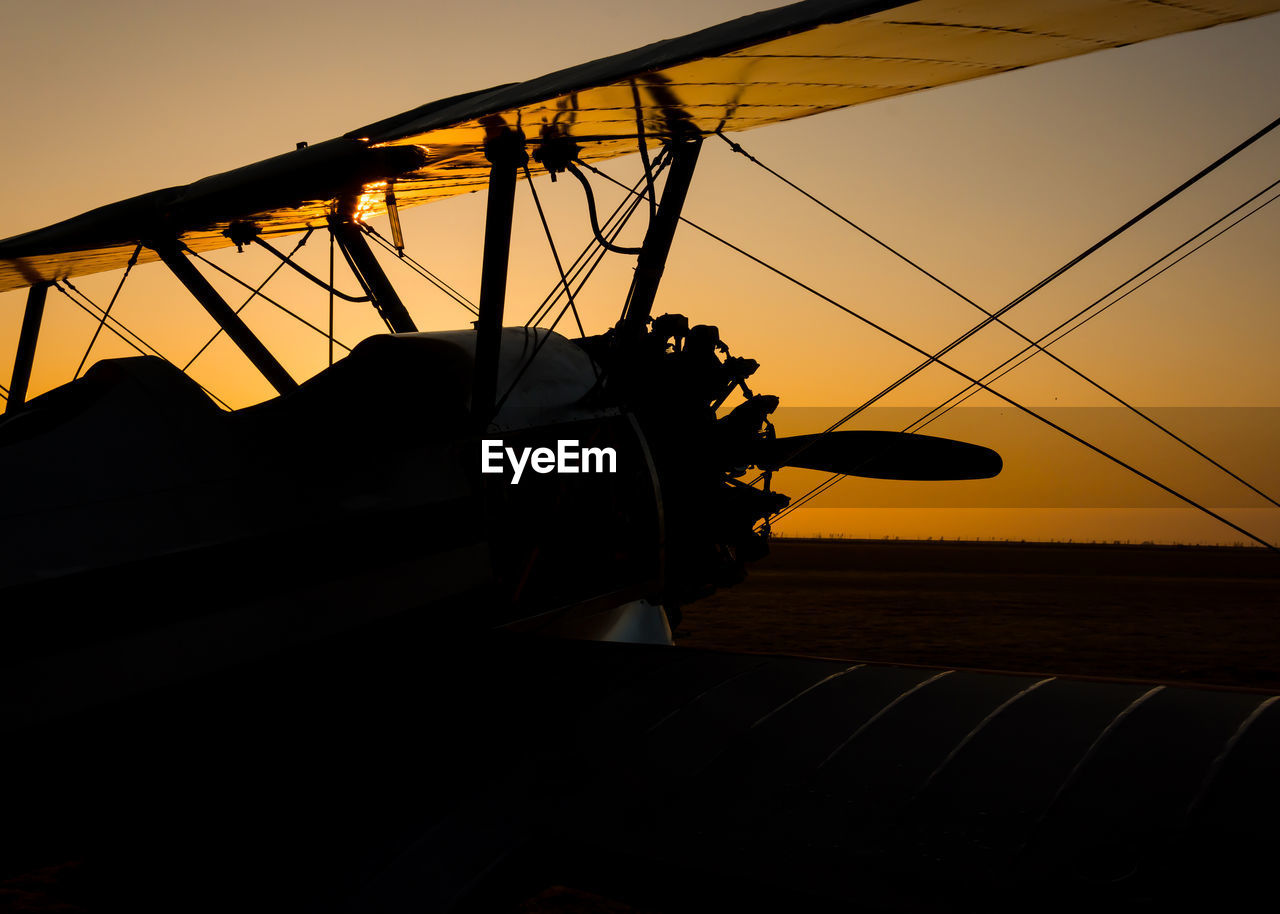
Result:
[{"x": 157, "y": 537}]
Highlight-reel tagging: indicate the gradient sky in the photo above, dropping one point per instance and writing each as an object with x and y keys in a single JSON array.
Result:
[{"x": 990, "y": 184}]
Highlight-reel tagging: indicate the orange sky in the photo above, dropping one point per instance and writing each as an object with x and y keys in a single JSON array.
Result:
[{"x": 990, "y": 184}]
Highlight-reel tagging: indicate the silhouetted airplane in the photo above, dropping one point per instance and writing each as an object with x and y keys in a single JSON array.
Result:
[{"x": 252, "y": 651}]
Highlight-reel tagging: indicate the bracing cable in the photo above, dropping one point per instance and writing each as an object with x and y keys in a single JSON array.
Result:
[
  {"x": 586, "y": 275},
  {"x": 551, "y": 242},
  {"x": 288, "y": 261},
  {"x": 1033, "y": 343},
  {"x": 266, "y": 298},
  {"x": 113, "y": 324},
  {"x": 1029, "y": 352},
  {"x": 257, "y": 292},
  {"x": 1094, "y": 306},
  {"x": 936, "y": 357},
  {"x": 1096, "y": 246},
  {"x": 421, "y": 270},
  {"x": 592, "y": 250},
  {"x": 133, "y": 260}
]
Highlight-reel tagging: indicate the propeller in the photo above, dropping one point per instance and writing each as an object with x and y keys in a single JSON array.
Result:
[{"x": 879, "y": 455}]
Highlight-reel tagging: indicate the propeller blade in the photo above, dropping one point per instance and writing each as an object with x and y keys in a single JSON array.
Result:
[{"x": 880, "y": 455}]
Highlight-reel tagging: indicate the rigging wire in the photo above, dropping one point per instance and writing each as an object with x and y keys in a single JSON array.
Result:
[
  {"x": 849, "y": 222},
  {"x": 256, "y": 293},
  {"x": 141, "y": 346},
  {"x": 551, "y": 242},
  {"x": 1028, "y": 353},
  {"x": 587, "y": 260},
  {"x": 133, "y": 260},
  {"x": 89, "y": 306},
  {"x": 597, "y": 258},
  {"x": 969, "y": 391},
  {"x": 266, "y": 298},
  {"x": 936, "y": 357},
  {"x": 996, "y": 374},
  {"x": 288, "y": 261},
  {"x": 994, "y": 316},
  {"x": 592, "y": 253},
  {"x": 768, "y": 266},
  {"x": 422, "y": 271},
  {"x": 592, "y": 250},
  {"x": 1036, "y": 343}
]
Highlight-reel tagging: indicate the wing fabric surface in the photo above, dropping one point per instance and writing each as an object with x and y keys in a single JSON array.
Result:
[
  {"x": 774, "y": 66},
  {"x": 396, "y": 771}
]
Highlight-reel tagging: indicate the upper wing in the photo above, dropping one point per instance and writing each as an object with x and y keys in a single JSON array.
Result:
[{"x": 773, "y": 66}]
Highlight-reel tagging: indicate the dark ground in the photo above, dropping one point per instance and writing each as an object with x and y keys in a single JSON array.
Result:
[{"x": 1207, "y": 615}]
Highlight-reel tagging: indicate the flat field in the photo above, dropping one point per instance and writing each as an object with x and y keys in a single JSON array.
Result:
[{"x": 1205, "y": 615}]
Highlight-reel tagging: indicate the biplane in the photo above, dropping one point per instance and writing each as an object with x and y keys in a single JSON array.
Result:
[{"x": 411, "y": 759}]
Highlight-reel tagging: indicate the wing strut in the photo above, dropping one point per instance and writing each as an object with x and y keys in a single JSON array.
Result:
[
  {"x": 506, "y": 154},
  {"x": 227, "y": 319},
  {"x": 26, "y": 355},
  {"x": 369, "y": 272},
  {"x": 662, "y": 229}
]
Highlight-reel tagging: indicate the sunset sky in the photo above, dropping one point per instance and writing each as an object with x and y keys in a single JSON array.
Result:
[{"x": 990, "y": 184}]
